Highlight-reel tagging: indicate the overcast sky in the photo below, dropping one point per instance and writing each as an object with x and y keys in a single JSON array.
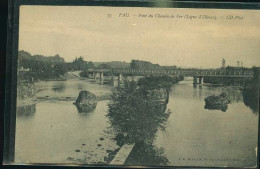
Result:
[{"x": 88, "y": 32}]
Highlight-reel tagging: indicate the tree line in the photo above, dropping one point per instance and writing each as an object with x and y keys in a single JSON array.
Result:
[
  {"x": 140, "y": 64},
  {"x": 42, "y": 67}
]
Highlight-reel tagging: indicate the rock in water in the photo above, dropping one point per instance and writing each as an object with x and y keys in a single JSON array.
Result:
[
  {"x": 217, "y": 102},
  {"x": 86, "y": 101}
]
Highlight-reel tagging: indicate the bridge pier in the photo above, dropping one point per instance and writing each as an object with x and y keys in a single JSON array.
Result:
[
  {"x": 113, "y": 80},
  {"x": 200, "y": 80},
  {"x": 194, "y": 80},
  {"x": 119, "y": 79},
  {"x": 101, "y": 78},
  {"x": 94, "y": 76}
]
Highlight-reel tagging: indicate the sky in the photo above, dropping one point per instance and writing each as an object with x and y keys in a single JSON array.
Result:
[{"x": 73, "y": 31}]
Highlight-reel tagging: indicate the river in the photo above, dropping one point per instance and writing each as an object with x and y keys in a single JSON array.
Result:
[
  {"x": 197, "y": 136},
  {"x": 54, "y": 132}
]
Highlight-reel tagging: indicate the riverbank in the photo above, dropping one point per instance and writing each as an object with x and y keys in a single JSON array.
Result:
[{"x": 53, "y": 98}]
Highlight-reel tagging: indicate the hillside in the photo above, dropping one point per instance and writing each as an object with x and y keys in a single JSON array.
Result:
[{"x": 23, "y": 55}]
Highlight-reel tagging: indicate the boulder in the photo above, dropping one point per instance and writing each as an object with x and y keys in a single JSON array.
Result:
[
  {"x": 217, "y": 102},
  {"x": 86, "y": 101}
]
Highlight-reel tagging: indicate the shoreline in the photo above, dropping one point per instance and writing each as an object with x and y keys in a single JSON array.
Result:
[{"x": 27, "y": 102}]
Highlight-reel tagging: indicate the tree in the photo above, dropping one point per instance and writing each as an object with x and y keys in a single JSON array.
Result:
[
  {"x": 90, "y": 64},
  {"x": 136, "y": 113},
  {"x": 79, "y": 63}
]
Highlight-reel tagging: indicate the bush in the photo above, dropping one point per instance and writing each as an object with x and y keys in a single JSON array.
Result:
[
  {"x": 135, "y": 113},
  {"x": 84, "y": 74}
]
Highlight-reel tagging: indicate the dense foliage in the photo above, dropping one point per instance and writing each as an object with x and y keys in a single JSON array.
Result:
[
  {"x": 251, "y": 91},
  {"x": 80, "y": 64},
  {"x": 23, "y": 55},
  {"x": 112, "y": 64},
  {"x": 84, "y": 74},
  {"x": 136, "y": 111},
  {"x": 48, "y": 67},
  {"x": 42, "y": 70},
  {"x": 139, "y": 64},
  {"x": 155, "y": 82},
  {"x": 236, "y": 68},
  {"x": 256, "y": 71},
  {"x": 40, "y": 67}
]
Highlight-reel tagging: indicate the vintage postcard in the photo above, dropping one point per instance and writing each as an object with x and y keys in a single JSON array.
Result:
[{"x": 137, "y": 86}]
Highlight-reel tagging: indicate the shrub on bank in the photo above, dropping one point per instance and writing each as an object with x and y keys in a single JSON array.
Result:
[
  {"x": 84, "y": 74},
  {"x": 137, "y": 110}
]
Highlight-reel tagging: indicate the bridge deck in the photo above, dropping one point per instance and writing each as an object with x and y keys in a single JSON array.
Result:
[{"x": 178, "y": 72}]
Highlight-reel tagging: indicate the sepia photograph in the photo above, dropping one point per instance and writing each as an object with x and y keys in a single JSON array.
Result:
[{"x": 137, "y": 86}]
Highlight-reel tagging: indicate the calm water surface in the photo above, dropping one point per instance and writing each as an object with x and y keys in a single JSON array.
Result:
[
  {"x": 53, "y": 132},
  {"x": 197, "y": 136}
]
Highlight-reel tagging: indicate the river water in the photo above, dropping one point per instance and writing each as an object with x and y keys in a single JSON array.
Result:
[
  {"x": 195, "y": 136},
  {"x": 54, "y": 132}
]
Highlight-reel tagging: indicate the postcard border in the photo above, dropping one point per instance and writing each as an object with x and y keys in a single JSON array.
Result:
[{"x": 12, "y": 51}]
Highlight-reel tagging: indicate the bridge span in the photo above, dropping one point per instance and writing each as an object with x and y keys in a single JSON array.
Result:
[{"x": 195, "y": 73}]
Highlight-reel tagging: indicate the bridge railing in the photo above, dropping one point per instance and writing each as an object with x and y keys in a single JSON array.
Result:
[{"x": 177, "y": 72}]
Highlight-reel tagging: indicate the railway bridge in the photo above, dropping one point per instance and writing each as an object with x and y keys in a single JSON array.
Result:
[{"x": 195, "y": 73}]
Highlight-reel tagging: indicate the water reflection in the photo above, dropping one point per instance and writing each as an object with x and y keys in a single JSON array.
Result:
[
  {"x": 59, "y": 87},
  {"x": 147, "y": 154},
  {"x": 85, "y": 115},
  {"x": 80, "y": 86},
  {"x": 202, "y": 91},
  {"x": 233, "y": 93},
  {"x": 26, "y": 111},
  {"x": 216, "y": 107},
  {"x": 194, "y": 131},
  {"x": 251, "y": 97},
  {"x": 39, "y": 90}
]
